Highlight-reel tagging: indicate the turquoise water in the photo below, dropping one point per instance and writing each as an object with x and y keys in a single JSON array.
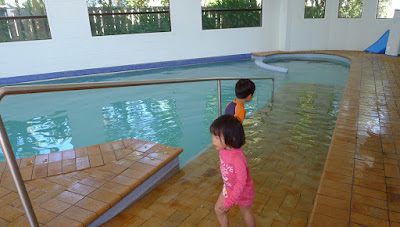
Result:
[{"x": 176, "y": 114}]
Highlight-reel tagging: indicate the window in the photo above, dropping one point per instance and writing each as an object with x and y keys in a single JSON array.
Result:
[
  {"x": 350, "y": 8},
  {"x": 113, "y": 17},
  {"x": 386, "y": 8},
  {"x": 314, "y": 8},
  {"x": 218, "y": 14},
  {"x": 22, "y": 20}
]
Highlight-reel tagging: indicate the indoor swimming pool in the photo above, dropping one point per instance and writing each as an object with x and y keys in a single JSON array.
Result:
[{"x": 178, "y": 115}]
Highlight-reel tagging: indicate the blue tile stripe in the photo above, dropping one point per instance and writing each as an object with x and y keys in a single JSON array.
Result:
[{"x": 83, "y": 72}]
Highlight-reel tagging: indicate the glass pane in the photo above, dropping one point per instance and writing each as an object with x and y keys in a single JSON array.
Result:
[
  {"x": 217, "y": 14},
  {"x": 18, "y": 8},
  {"x": 114, "y": 17},
  {"x": 314, "y": 8},
  {"x": 22, "y": 20},
  {"x": 386, "y": 8},
  {"x": 350, "y": 8}
]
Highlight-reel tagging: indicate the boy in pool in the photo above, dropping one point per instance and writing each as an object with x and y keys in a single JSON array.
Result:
[{"x": 244, "y": 91}]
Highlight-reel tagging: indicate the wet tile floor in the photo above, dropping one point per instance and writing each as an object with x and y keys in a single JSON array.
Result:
[
  {"x": 360, "y": 183},
  {"x": 361, "y": 179}
]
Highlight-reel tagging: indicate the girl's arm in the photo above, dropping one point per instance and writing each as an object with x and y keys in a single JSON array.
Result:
[{"x": 241, "y": 178}]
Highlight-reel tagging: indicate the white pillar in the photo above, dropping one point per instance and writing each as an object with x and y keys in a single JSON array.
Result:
[{"x": 393, "y": 45}]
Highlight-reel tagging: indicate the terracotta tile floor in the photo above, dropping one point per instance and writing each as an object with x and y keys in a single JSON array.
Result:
[
  {"x": 62, "y": 162},
  {"x": 90, "y": 180},
  {"x": 360, "y": 183}
]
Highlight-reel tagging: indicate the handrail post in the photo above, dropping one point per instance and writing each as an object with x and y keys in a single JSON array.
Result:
[
  {"x": 273, "y": 88},
  {"x": 14, "y": 169},
  {"x": 219, "y": 98}
]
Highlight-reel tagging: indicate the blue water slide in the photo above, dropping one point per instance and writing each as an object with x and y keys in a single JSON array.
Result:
[{"x": 379, "y": 47}]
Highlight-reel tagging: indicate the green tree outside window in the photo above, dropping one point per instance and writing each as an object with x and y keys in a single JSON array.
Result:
[
  {"x": 350, "y": 8},
  {"x": 314, "y": 8},
  {"x": 386, "y": 8},
  {"x": 219, "y": 14},
  {"x": 22, "y": 20},
  {"x": 113, "y": 17}
]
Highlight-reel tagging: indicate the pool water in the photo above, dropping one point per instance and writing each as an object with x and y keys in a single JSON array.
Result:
[{"x": 177, "y": 115}]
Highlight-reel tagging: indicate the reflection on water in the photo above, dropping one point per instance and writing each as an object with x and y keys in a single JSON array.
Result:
[
  {"x": 39, "y": 135},
  {"x": 156, "y": 120},
  {"x": 302, "y": 116}
]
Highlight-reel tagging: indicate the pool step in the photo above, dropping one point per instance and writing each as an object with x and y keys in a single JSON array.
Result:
[{"x": 128, "y": 170}]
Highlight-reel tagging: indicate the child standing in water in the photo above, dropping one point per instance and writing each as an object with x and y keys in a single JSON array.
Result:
[
  {"x": 228, "y": 137},
  {"x": 244, "y": 91}
]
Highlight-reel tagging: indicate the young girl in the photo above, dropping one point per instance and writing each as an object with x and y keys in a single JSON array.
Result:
[{"x": 228, "y": 137}]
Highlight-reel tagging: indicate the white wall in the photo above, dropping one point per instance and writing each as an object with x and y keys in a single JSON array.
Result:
[
  {"x": 72, "y": 46},
  {"x": 333, "y": 33}
]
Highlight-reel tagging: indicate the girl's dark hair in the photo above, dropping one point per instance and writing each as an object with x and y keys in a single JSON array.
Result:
[{"x": 231, "y": 128}]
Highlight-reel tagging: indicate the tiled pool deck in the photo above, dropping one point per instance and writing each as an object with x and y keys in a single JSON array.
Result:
[{"x": 360, "y": 183}]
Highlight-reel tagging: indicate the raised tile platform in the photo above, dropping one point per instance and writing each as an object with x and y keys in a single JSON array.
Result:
[{"x": 76, "y": 187}]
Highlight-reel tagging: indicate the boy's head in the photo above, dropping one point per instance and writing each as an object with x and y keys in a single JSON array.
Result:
[
  {"x": 227, "y": 132},
  {"x": 245, "y": 88}
]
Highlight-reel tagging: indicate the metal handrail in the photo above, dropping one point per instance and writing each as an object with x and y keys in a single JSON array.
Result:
[
  {"x": 127, "y": 13},
  {"x": 23, "y": 17},
  {"x": 205, "y": 9},
  {"x": 30, "y": 89}
]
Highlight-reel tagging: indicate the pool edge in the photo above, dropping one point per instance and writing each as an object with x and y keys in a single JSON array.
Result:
[{"x": 116, "y": 69}]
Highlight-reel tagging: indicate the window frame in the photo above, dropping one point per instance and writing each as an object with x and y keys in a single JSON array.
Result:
[
  {"x": 32, "y": 18},
  {"x": 205, "y": 10},
  {"x": 133, "y": 13}
]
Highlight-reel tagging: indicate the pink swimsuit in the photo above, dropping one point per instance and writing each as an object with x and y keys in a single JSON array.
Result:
[{"x": 238, "y": 186}]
